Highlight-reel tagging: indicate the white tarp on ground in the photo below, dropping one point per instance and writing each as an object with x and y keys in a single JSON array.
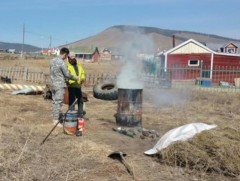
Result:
[
  {"x": 25, "y": 90},
  {"x": 181, "y": 133}
]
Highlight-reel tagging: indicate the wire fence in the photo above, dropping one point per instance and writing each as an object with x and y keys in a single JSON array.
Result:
[
  {"x": 226, "y": 77},
  {"x": 23, "y": 74},
  {"x": 27, "y": 75}
]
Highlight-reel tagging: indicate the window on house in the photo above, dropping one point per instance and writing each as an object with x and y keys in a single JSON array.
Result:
[
  {"x": 88, "y": 57},
  {"x": 79, "y": 56},
  {"x": 193, "y": 62},
  {"x": 230, "y": 50}
]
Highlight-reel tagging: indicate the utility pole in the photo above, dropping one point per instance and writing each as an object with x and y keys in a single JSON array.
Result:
[
  {"x": 50, "y": 43},
  {"x": 22, "y": 49}
]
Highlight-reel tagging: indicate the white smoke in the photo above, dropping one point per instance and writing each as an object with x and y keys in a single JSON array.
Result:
[
  {"x": 167, "y": 97},
  {"x": 137, "y": 43}
]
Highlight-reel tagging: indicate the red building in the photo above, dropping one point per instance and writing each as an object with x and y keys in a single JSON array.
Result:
[
  {"x": 192, "y": 59},
  {"x": 106, "y": 55}
]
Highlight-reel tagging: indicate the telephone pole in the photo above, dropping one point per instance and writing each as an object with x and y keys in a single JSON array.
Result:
[
  {"x": 50, "y": 44},
  {"x": 22, "y": 49}
]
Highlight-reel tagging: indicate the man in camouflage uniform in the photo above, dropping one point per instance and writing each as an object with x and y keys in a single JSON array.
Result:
[{"x": 59, "y": 73}]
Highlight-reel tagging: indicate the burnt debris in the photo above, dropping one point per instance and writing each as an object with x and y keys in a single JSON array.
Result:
[
  {"x": 138, "y": 132},
  {"x": 6, "y": 80}
]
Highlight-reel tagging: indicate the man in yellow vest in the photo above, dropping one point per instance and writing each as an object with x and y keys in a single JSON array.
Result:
[{"x": 74, "y": 87}]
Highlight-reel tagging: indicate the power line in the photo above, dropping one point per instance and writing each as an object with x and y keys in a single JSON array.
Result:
[{"x": 51, "y": 38}]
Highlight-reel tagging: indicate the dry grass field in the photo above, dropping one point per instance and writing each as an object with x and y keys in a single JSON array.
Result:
[
  {"x": 43, "y": 65},
  {"x": 26, "y": 120}
]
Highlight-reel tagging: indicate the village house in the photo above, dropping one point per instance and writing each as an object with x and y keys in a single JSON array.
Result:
[
  {"x": 117, "y": 55},
  {"x": 105, "y": 55},
  {"x": 192, "y": 55},
  {"x": 86, "y": 54},
  {"x": 229, "y": 48},
  {"x": 50, "y": 51},
  {"x": 3, "y": 50},
  {"x": 11, "y": 51}
]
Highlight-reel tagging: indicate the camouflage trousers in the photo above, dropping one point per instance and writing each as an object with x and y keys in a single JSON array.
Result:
[{"x": 57, "y": 101}]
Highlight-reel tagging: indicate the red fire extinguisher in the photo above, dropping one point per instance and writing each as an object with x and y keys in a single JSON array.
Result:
[{"x": 80, "y": 127}]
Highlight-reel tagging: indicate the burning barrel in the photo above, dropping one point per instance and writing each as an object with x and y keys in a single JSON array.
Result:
[{"x": 129, "y": 111}]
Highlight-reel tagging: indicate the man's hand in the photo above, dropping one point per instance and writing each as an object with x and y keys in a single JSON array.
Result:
[
  {"x": 79, "y": 81},
  {"x": 83, "y": 82},
  {"x": 76, "y": 78}
]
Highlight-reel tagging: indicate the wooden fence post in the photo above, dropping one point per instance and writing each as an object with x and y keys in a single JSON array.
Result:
[{"x": 25, "y": 74}]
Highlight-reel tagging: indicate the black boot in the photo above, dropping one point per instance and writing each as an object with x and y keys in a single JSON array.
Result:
[{"x": 61, "y": 118}]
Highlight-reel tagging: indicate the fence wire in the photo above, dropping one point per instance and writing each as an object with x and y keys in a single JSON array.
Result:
[{"x": 220, "y": 77}]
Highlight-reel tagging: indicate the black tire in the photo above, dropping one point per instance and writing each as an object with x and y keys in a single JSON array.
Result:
[{"x": 105, "y": 90}]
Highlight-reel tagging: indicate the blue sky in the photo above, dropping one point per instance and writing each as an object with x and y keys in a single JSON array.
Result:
[{"x": 71, "y": 20}]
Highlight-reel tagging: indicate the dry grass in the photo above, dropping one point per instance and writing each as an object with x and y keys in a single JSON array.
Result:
[
  {"x": 210, "y": 151},
  {"x": 26, "y": 120},
  {"x": 61, "y": 157},
  {"x": 43, "y": 65},
  {"x": 33, "y": 64}
]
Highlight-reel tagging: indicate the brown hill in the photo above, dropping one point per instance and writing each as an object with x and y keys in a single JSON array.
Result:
[
  {"x": 18, "y": 47},
  {"x": 145, "y": 38}
]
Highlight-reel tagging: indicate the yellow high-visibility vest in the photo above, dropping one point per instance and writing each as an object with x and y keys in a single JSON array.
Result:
[{"x": 81, "y": 75}]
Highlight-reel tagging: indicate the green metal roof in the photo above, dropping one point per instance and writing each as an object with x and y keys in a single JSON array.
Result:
[{"x": 84, "y": 50}]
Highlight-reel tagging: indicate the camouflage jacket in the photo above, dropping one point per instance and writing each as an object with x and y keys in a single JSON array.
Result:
[{"x": 59, "y": 73}]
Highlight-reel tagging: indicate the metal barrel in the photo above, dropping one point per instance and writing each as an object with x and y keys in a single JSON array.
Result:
[
  {"x": 129, "y": 110},
  {"x": 70, "y": 124}
]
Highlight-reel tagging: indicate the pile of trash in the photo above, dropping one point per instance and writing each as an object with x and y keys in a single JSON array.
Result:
[{"x": 138, "y": 132}]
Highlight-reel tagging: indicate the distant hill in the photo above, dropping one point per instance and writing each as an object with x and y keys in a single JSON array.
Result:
[
  {"x": 18, "y": 47},
  {"x": 116, "y": 37}
]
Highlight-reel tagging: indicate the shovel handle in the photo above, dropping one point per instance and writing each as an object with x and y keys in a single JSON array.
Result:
[
  {"x": 59, "y": 122},
  {"x": 127, "y": 165},
  {"x": 49, "y": 133}
]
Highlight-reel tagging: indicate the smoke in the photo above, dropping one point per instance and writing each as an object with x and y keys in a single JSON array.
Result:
[
  {"x": 140, "y": 43},
  {"x": 167, "y": 97},
  {"x": 137, "y": 44}
]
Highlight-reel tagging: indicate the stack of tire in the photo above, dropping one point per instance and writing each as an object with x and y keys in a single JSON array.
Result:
[{"x": 105, "y": 90}]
